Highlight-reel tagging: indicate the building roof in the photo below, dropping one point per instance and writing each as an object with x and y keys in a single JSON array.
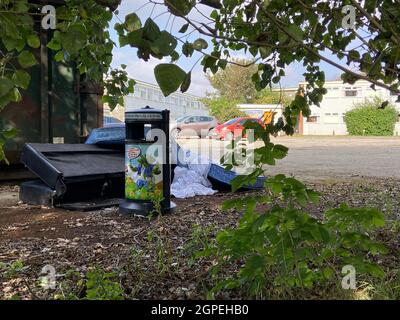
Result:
[
  {"x": 154, "y": 86},
  {"x": 327, "y": 83}
]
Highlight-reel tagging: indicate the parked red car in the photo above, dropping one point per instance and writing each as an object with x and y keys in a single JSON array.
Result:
[{"x": 232, "y": 128}]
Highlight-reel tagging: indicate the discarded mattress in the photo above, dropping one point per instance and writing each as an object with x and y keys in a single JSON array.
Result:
[{"x": 87, "y": 175}]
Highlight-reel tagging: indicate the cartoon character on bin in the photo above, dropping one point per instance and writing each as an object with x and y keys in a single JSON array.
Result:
[{"x": 143, "y": 172}]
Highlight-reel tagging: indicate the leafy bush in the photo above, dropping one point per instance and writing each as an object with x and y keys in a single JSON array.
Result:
[
  {"x": 285, "y": 247},
  {"x": 278, "y": 244},
  {"x": 367, "y": 119},
  {"x": 223, "y": 108}
]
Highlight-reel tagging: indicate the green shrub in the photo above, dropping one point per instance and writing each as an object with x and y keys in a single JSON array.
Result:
[
  {"x": 223, "y": 109},
  {"x": 368, "y": 120},
  {"x": 281, "y": 249},
  {"x": 286, "y": 247}
]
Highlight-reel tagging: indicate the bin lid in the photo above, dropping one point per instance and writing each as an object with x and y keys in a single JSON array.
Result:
[{"x": 146, "y": 113}]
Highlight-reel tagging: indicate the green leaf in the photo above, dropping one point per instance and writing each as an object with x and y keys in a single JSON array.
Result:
[
  {"x": 21, "y": 79},
  {"x": 5, "y": 86},
  {"x": 54, "y": 43},
  {"x": 276, "y": 187},
  {"x": 180, "y": 7},
  {"x": 187, "y": 49},
  {"x": 169, "y": 77},
  {"x": 15, "y": 95},
  {"x": 165, "y": 44},
  {"x": 3, "y": 156},
  {"x": 59, "y": 56},
  {"x": 33, "y": 41},
  {"x": 74, "y": 39},
  {"x": 131, "y": 85},
  {"x": 265, "y": 52},
  {"x": 26, "y": 59},
  {"x": 296, "y": 32},
  {"x": 186, "y": 82},
  {"x": 222, "y": 63},
  {"x": 301, "y": 197},
  {"x": 375, "y": 270},
  {"x": 135, "y": 39},
  {"x": 328, "y": 272},
  {"x": 324, "y": 234},
  {"x": 184, "y": 28},
  {"x": 11, "y": 44},
  {"x": 150, "y": 30},
  {"x": 200, "y": 44},
  {"x": 132, "y": 22},
  {"x": 8, "y": 134},
  {"x": 174, "y": 56},
  {"x": 313, "y": 196},
  {"x": 279, "y": 151}
]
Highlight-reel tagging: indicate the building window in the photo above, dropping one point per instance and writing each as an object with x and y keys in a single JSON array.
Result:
[
  {"x": 331, "y": 118},
  {"x": 312, "y": 119},
  {"x": 350, "y": 92}
]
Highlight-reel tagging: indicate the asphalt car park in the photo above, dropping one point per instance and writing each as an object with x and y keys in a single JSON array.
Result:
[{"x": 323, "y": 157}]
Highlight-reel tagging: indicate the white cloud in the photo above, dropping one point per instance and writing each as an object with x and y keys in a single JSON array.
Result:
[{"x": 200, "y": 84}]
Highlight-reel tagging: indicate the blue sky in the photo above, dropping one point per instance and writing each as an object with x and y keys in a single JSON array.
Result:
[{"x": 141, "y": 70}]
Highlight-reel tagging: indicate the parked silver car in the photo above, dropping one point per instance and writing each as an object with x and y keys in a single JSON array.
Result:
[{"x": 193, "y": 125}]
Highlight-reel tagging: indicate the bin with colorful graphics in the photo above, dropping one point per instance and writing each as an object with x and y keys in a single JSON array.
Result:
[{"x": 147, "y": 163}]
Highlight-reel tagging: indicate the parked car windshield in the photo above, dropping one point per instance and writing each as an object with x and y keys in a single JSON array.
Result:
[
  {"x": 111, "y": 120},
  {"x": 180, "y": 119},
  {"x": 251, "y": 120},
  {"x": 231, "y": 121}
]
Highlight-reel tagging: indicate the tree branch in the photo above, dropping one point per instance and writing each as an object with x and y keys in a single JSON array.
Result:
[
  {"x": 344, "y": 69},
  {"x": 373, "y": 20}
]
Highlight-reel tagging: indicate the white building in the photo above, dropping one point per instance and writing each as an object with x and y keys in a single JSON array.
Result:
[
  {"x": 328, "y": 119},
  {"x": 147, "y": 94}
]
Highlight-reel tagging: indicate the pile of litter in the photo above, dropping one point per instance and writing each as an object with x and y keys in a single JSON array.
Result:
[
  {"x": 91, "y": 175},
  {"x": 190, "y": 176}
]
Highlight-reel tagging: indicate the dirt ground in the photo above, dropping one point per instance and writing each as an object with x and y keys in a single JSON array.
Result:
[
  {"x": 76, "y": 241},
  {"x": 41, "y": 236}
]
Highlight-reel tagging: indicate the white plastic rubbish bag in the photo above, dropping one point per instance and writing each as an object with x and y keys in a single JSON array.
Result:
[{"x": 190, "y": 179}]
